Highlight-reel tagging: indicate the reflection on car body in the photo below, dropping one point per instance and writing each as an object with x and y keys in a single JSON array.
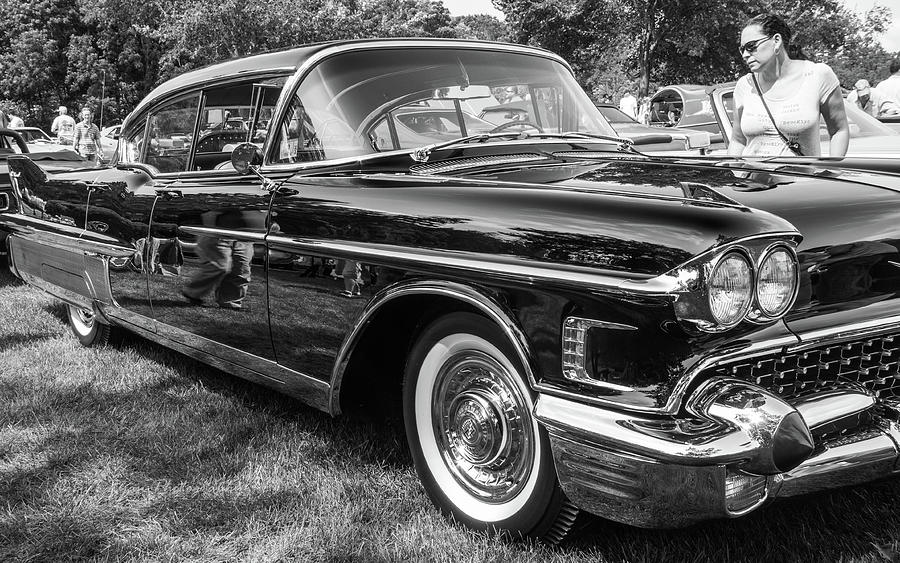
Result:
[{"x": 564, "y": 323}]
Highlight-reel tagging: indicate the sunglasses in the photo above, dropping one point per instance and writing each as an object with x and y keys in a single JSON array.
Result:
[{"x": 752, "y": 46}]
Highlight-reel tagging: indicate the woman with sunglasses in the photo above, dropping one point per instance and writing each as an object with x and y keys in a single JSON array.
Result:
[{"x": 778, "y": 103}]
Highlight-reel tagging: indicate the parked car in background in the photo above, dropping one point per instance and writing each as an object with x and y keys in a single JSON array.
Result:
[
  {"x": 648, "y": 138},
  {"x": 38, "y": 140},
  {"x": 563, "y": 323},
  {"x": 705, "y": 108},
  {"x": 109, "y": 140},
  {"x": 13, "y": 142}
]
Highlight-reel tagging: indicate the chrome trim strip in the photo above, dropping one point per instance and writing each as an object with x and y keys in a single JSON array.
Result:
[
  {"x": 813, "y": 338},
  {"x": 293, "y": 83},
  {"x": 465, "y": 293},
  {"x": 310, "y": 390},
  {"x": 259, "y": 237},
  {"x": 518, "y": 269}
]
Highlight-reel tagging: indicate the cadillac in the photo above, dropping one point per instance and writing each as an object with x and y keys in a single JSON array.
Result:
[{"x": 565, "y": 323}]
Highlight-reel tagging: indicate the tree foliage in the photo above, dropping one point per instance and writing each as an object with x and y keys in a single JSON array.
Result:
[{"x": 114, "y": 52}]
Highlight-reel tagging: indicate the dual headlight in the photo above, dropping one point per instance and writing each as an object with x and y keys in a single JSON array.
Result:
[{"x": 734, "y": 287}]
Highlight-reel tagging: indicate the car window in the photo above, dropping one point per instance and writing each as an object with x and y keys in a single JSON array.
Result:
[
  {"x": 224, "y": 123},
  {"x": 134, "y": 145},
  {"x": 171, "y": 129}
]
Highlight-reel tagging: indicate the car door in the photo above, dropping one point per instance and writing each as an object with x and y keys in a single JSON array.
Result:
[{"x": 208, "y": 283}]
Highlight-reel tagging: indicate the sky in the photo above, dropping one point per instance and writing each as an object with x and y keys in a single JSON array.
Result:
[{"x": 890, "y": 40}]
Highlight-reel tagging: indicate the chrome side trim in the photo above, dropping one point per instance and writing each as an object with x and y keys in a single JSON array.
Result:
[
  {"x": 814, "y": 338},
  {"x": 424, "y": 259},
  {"x": 308, "y": 389},
  {"x": 225, "y": 233},
  {"x": 293, "y": 83},
  {"x": 467, "y": 294}
]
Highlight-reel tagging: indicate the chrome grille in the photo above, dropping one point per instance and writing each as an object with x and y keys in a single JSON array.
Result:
[
  {"x": 445, "y": 166},
  {"x": 873, "y": 363}
]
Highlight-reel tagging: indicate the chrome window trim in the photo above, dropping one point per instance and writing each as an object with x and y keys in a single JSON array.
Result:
[{"x": 293, "y": 83}]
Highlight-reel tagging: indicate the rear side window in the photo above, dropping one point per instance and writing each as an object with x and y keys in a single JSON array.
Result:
[{"x": 170, "y": 131}]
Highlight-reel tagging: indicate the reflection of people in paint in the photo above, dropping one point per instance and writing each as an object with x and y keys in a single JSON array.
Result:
[
  {"x": 224, "y": 262},
  {"x": 224, "y": 268},
  {"x": 351, "y": 272}
]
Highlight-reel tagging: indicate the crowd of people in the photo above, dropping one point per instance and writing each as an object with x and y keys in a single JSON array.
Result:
[{"x": 83, "y": 136}]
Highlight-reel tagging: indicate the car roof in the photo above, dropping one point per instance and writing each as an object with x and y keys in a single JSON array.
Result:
[{"x": 288, "y": 61}]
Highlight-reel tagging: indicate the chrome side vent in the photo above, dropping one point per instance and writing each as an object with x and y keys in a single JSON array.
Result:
[
  {"x": 4, "y": 202},
  {"x": 443, "y": 167}
]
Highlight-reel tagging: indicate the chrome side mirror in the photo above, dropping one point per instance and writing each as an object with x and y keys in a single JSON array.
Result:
[{"x": 244, "y": 156}]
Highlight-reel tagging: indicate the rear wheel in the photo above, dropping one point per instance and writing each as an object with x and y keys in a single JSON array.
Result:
[
  {"x": 89, "y": 331},
  {"x": 481, "y": 455}
]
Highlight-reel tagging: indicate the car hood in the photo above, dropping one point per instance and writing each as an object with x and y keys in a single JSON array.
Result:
[{"x": 849, "y": 220}]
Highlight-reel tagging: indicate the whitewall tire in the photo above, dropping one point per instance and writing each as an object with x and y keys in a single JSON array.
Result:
[{"x": 477, "y": 447}]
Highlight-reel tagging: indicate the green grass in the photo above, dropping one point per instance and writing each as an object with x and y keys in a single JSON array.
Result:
[{"x": 137, "y": 453}]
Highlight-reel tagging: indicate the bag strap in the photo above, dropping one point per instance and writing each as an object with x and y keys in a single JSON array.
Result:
[{"x": 762, "y": 98}]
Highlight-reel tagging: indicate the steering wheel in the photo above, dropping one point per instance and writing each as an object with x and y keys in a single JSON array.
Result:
[{"x": 511, "y": 124}]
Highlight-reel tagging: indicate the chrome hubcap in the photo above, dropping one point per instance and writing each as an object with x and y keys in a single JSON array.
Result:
[{"x": 482, "y": 425}]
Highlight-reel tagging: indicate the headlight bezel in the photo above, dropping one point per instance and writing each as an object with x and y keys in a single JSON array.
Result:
[
  {"x": 690, "y": 282},
  {"x": 757, "y": 314}
]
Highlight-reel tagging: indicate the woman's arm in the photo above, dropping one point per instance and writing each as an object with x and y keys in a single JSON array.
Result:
[
  {"x": 738, "y": 141},
  {"x": 836, "y": 121}
]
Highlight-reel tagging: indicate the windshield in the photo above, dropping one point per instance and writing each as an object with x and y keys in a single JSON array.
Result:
[
  {"x": 362, "y": 102},
  {"x": 32, "y": 135}
]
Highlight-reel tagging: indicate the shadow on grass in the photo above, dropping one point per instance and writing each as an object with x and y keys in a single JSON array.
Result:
[{"x": 192, "y": 429}]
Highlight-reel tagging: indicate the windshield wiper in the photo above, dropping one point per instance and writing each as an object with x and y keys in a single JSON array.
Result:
[{"x": 421, "y": 154}]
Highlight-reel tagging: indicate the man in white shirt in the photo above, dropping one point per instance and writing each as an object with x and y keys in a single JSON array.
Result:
[
  {"x": 63, "y": 126},
  {"x": 15, "y": 121},
  {"x": 628, "y": 104},
  {"x": 865, "y": 98},
  {"x": 889, "y": 90}
]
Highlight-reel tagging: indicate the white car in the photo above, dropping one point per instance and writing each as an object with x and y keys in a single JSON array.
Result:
[
  {"x": 109, "y": 140},
  {"x": 38, "y": 141}
]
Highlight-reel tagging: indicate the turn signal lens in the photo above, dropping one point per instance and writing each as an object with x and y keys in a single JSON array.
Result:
[
  {"x": 730, "y": 289},
  {"x": 777, "y": 282}
]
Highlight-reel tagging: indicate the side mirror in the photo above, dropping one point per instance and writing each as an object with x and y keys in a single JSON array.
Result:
[{"x": 244, "y": 156}]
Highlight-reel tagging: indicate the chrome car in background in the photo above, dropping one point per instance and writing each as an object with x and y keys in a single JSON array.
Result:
[
  {"x": 648, "y": 138},
  {"x": 563, "y": 322},
  {"x": 38, "y": 140}
]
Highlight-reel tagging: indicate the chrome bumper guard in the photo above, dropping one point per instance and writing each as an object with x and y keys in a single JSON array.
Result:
[{"x": 745, "y": 448}]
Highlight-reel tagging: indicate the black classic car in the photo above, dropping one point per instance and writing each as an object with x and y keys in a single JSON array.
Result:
[{"x": 565, "y": 323}]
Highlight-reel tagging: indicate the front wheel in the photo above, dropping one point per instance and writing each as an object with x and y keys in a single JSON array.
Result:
[
  {"x": 89, "y": 331},
  {"x": 476, "y": 445}
]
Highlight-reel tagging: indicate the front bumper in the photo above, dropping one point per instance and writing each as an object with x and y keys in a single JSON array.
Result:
[{"x": 673, "y": 472}]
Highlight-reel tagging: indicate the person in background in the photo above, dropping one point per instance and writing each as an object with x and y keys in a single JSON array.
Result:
[
  {"x": 644, "y": 111},
  {"x": 4, "y": 121},
  {"x": 889, "y": 91},
  {"x": 87, "y": 137},
  {"x": 865, "y": 98},
  {"x": 15, "y": 121},
  {"x": 64, "y": 127},
  {"x": 628, "y": 104},
  {"x": 795, "y": 91}
]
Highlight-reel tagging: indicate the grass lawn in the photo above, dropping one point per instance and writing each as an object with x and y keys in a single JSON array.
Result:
[{"x": 138, "y": 453}]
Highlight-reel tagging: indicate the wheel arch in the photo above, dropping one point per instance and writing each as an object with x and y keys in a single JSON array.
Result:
[{"x": 393, "y": 319}]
